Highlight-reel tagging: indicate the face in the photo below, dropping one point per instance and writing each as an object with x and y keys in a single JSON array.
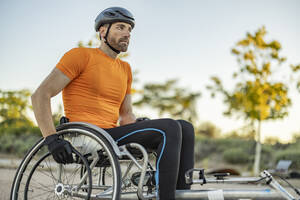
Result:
[{"x": 119, "y": 35}]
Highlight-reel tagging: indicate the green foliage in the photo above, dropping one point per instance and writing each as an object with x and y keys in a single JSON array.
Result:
[
  {"x": 14, "y": 106},
  {"x": 170, "y": 99},
  {"x": 208, "y": 129},
  {"x": 237, "y": 151},
  {"x": 236, "y": 156},
  {"x": 255, "y": 96},
  {"x": 17, "y": 145},
  {"x": 229, "y": 143},
  {"x": 206, "y": 147},
  {"x": 267, "y": 156},
  {"x": 296, "y": 138},
  {"x": 295, "y": 70}
]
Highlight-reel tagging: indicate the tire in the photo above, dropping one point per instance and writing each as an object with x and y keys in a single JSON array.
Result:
[
  {"x": 86, "y": 141},
  {"x": 42, "y": 177}
]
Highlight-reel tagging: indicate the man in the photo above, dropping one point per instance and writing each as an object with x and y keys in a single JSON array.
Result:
[{"x": 96, "y": 89}]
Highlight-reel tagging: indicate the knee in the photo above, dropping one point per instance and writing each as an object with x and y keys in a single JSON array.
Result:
[
  {"x": 173, "y": 129},
  {"x": 188, "y": 132}
]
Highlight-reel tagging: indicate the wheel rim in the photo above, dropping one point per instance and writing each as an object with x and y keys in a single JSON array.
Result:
[
  {"x": 22, "y": 175},
  {"x": 43, "y": 180}
]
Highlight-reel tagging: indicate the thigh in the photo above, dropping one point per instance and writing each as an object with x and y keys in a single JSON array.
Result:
[{"x": 148, "y": 133}]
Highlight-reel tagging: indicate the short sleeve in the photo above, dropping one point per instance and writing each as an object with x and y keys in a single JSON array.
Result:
[
  {"x": 129, "y": 79},
  {"x": 73, "y": 62}
]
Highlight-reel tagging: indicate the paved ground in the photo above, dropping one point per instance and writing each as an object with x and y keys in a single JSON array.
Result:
[
  {"x": 7, "y": 175},
  {"x": 6, "y": 178}
]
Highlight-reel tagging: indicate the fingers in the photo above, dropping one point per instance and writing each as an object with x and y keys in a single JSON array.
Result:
[
  {"x": 62, "y": 152},
  {"x": 68, "y": 151},
  {"x": 65, "y": 156},
  {"x": 62, "y": 157},
  {"x": 58, "y": 157}
]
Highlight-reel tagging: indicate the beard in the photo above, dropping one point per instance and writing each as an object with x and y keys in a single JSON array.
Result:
[{"x": 121, "y": 44}]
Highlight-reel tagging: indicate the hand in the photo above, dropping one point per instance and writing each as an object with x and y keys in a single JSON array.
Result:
[
  {"x": 140, "y": 119},
  {"x": 60, "y": 149}
]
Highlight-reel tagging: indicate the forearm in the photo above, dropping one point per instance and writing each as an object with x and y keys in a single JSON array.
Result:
[
  {"x": 42, "y": 110},
  {"x": 127, "y": 118}
]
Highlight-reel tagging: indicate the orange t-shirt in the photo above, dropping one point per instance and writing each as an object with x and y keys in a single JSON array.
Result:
[{"x": 98, "y": 86}]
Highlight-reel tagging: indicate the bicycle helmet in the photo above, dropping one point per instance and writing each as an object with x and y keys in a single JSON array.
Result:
[
  {"x": 110, "y": 16},
  {"x": 114, "y": 14}
]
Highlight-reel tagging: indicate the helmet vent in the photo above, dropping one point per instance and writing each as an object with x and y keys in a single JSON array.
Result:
[
  {"x": 124, "y": 15},
  {"x": 111, "y": 14}
]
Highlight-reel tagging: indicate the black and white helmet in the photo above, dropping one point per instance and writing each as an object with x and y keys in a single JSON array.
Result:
[{"x": 114, "y": 14}]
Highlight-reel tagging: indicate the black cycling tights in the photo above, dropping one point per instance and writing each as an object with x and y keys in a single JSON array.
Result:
[{"x": 173, "y": 141}]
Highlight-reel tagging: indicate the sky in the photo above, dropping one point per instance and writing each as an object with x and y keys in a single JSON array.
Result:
[{"x": 189, "y": 40}]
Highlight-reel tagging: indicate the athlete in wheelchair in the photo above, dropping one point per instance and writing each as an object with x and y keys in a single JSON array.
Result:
[
  {"x": 89, "y": 157},
  {"x": 96, "y": 87}
]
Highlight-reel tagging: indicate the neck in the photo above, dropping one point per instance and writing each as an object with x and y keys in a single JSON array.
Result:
[{"x": 108, "y": 51}]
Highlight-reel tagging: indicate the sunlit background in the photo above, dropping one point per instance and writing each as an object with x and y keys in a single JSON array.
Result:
[{"x": 188, "y": 40}]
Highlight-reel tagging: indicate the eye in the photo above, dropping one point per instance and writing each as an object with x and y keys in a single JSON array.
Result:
[{"x": 120, "y": 27}]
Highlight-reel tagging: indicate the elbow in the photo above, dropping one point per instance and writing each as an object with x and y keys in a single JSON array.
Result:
[
  {"x": 39, "y": 96},
  {"x": 35, "y": 99},
  {"x": 35, "y": 96}
]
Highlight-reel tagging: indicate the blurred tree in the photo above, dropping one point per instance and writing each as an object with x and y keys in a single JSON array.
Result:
[
  {"x": 14, "y": 109},
  {"x": 296, "y": 137},
  {"x": 246, "y": 132},
  {"x": 271, "y": 140},
  {"x": 14, "y": 106},
  {"x": 170, "y": 99},
  {"x": 295, "y": 69},
  {"x": 256, "y": 96},
  {"x": 208, "y": 129}
]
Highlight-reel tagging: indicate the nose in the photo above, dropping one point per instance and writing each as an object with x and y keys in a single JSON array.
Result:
[{"x": 127, "y": 33}]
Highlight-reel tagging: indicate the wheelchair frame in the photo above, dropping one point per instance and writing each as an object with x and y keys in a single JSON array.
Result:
[{"x": 113, "y": 151}]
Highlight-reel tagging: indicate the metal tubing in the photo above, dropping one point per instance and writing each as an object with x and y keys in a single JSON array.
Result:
[
  {"x": 127, "y": 153},
  {"x": 60, "y": 167},
  {"x": 270, "y": 180},
  {"x": 144, "y": 168},
  {"x": 228, "y": 180},
  {"x": 259, "y": 194},
  {"x": 93, "y": 164}
]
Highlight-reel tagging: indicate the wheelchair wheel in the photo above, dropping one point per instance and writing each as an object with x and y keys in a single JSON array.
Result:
[
  {"x": 88, "y": 142},
  {"x": 46, "y": 174}
]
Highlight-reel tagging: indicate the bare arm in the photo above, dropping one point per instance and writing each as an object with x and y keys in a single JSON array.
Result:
[
  {"x": 126, "y": 115},
  {"x": 41, "y": 104}
]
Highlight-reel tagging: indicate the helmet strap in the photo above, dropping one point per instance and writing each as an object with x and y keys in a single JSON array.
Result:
[{"x": 106, "y": 40}]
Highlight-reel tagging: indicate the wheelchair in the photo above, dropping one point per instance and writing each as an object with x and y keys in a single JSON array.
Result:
[
  {"x": 95, "y": 172},
  {"x": 104, "y": 170}
]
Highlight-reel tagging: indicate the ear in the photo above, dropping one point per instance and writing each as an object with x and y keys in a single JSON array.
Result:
[{"x": 102, "y": 32}]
